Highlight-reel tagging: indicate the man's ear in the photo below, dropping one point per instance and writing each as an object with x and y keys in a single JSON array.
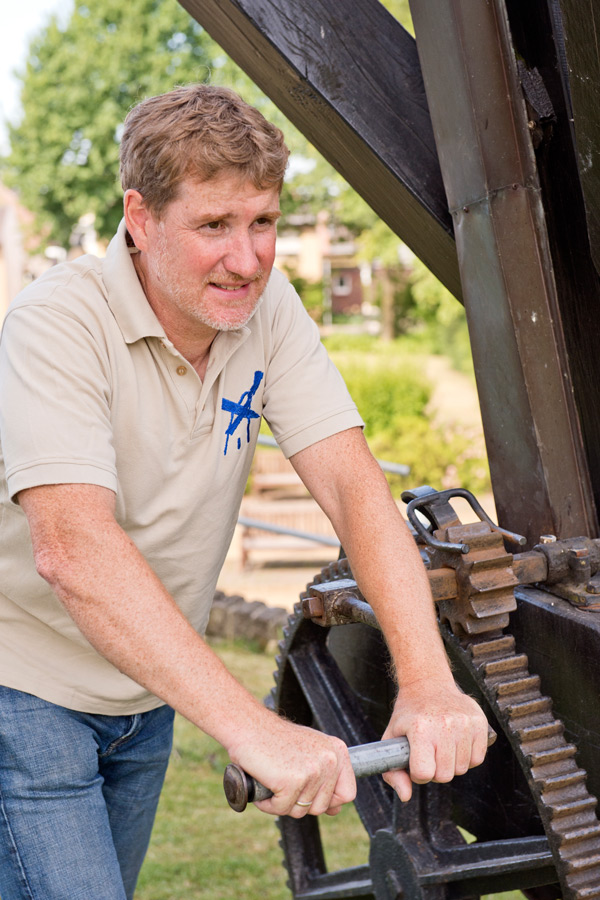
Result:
[{"x": 137, "y": 218}]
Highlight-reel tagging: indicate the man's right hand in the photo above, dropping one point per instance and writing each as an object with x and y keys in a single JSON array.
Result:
[{"x": 308, "y": 771}]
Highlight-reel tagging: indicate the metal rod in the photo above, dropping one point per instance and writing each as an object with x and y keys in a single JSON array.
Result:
[
  {"x": 367, "y": 759},
  {"x": 281, "y": 529},
  {"x": 393, "y": 468}
]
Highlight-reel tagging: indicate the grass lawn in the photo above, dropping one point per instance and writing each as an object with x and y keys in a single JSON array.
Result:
[{"x": 201, "y": 849}]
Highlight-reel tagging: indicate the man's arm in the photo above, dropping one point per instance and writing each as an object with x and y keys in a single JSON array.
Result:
[
  {"x": 446, "y": 729},
  {"x": 125, "y": 612}
]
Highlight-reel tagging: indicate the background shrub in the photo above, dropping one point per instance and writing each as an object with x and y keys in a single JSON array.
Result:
[{"x": 392, "y": 397}]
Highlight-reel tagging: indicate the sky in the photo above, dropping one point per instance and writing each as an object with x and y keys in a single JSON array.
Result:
[{"x": 27, "y": 18}]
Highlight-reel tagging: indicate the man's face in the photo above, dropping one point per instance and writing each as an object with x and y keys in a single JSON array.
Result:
[{"x": 210, "y": 255}]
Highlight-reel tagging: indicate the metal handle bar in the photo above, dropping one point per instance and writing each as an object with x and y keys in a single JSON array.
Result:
[{"x": 367, "y": 759}]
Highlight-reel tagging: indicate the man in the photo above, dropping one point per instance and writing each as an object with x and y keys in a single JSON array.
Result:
[{"x": 132, "y": 389}]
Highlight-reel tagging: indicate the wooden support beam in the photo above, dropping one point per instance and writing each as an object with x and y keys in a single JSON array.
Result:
[
  {"x": 536, "y": 29},
  {"x": 580, "y": 22},
  {"x": 539, "y": 470},
  {"x": 348, "y": 76}
]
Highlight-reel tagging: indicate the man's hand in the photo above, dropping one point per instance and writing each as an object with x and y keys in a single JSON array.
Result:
[
  {"x": 446, "y": 730},
  {"x": 308, "y": 771}
]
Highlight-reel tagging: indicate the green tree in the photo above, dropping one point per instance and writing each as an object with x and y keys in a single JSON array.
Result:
[{"x": 78, "y": 84}]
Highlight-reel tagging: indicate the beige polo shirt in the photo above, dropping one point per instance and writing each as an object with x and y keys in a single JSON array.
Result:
[{"x": 92, "y": 391}]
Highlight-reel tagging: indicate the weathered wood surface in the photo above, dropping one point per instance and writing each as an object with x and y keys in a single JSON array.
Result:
[
  {"x": 539, "y": 471},
  {"x": 537, "y": 33},
  {"x": 348, "y": 76},
  {"x": 581, "y": 24}
]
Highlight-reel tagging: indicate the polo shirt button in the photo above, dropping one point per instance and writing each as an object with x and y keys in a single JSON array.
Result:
[{"x": 181, "y": 370}]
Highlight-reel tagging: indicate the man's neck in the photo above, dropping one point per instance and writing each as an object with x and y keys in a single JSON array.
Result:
[{"x": 193, "y": 342}]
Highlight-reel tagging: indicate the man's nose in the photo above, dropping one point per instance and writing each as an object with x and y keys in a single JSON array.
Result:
[{"x": 242, "y": 258}]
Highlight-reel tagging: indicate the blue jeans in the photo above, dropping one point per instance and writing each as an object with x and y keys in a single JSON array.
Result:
[{"x": 78, "y": 795}]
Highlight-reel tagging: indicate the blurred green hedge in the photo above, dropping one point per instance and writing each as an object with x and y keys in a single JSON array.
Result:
[{"x": 392, "y": 398}]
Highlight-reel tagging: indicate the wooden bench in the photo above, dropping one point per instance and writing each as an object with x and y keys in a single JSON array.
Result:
[
  {"x": 303, "y": 514},
  {"x": 273, "y": 475}
]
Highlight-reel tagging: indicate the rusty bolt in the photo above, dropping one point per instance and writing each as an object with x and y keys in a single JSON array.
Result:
[
  {"x": 315, "y": 607},
  {"x": 579, "y": 553},
  {"x": 579, "y": 563}
]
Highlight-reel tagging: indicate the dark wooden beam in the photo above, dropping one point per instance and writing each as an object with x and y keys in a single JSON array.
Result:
[
  {"x": 537, "y": 32},
  {"x": 348, "y": 76},
  {"x": 539, "y": 469},
  {"x": 581, "y": 28}
]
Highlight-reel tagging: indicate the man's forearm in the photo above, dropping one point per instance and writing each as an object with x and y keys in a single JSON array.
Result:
[
  {"x": 350, "y": 486},
  {"x": 446, "y": 729},
  {"x": 128, "y": 616},
  {"x": 387, "y": 567}
]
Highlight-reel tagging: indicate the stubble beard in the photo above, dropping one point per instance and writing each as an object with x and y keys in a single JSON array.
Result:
[{"x": 189, "y": 297}]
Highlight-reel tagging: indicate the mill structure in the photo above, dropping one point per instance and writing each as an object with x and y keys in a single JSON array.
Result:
[{"x": 478, "y": 142}]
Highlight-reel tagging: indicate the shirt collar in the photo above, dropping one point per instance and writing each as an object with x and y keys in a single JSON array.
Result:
[{"x": 126, "y": 298}]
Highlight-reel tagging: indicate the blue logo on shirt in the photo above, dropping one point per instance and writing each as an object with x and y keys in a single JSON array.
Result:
[{"x": 240, "y": 411}]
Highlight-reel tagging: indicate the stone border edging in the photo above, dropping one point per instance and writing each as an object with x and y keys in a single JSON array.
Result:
[{"x": 234, "y": 618}]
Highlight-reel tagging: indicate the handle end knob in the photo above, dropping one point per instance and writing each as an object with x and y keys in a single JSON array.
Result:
[{"x": 237, "y": 787}]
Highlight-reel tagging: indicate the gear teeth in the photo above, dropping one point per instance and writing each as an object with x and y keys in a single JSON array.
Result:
[
  {"x": 551, "y": 755},
  {"x": 586, "y": 862},
  {"x": 531, "y": 707},
  {"x": 344, "y": 567},
  {"x": 529, "y": 734},
  {"x": 504, "y": 665},
  {"x": 537, "y": 737},
  {"x": 571, "y": 808},
  {"x": 562, "y": 781},
  {"x": 589, "y": 892},
  {"x": 528, "y": 684},
  {"x": 496, "y": 648},
  {"x": 582, "y": 834}
]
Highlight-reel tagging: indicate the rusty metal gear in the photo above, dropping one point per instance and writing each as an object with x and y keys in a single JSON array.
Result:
[
  {"x": 557, "y": 783},
  {"x": 311, "y": 688}
]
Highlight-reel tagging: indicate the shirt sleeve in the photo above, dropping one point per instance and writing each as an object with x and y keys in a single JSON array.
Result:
[
  {"x": 306, "y": 399},
  {"x": 55, "y": 425}
]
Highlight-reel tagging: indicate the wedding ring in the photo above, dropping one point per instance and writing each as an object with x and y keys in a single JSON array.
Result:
[{"x": 303, "y": 803}]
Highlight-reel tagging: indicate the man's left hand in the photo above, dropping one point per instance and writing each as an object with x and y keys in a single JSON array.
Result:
[{"x": 446, "y": 730}]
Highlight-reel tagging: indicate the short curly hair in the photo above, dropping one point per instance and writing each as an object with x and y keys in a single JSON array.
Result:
[{"x": 197, "y": 131}]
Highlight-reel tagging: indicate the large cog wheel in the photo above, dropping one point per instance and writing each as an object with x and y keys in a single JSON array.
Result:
[{"x": 527, "y": 806}]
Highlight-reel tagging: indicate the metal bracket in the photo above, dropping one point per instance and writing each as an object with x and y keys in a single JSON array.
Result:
[
  {"x": 573, "y": 571},
  {"x": 337, "y": 603}
]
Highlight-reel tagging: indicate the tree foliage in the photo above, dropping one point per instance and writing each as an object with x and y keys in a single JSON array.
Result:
[
  {"x": 82, "y": 77},
  {"x": 78, "y": 84}
]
